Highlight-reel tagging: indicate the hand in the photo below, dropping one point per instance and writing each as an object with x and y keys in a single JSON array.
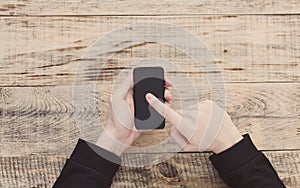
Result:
[
  {"x": 200, "y": 127},
  {"x": 120, "y": 131}
]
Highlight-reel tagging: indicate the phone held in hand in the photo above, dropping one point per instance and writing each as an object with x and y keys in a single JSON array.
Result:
[{"x": 148, "y": 80}]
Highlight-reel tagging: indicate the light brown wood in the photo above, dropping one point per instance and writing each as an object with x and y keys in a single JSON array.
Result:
[
  {"x": 248, "y": 48},
  {"x": 256, "y": 45},
  {"x": 182, "y": 170},
  {"x": 42, "y": 119},
  {"x": 45, "y": 136},
  {"x": 155, "y": 7}
]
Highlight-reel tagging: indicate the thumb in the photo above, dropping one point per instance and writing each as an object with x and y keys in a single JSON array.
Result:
[{"x": 163, "y": 109}]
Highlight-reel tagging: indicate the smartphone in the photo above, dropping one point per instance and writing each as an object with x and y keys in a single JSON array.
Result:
[{"x": 148, "y": 80}]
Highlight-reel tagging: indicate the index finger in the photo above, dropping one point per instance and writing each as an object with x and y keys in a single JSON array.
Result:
[
  {"x": 185, "y": 125},
  {"x": 164, "y": 110}
]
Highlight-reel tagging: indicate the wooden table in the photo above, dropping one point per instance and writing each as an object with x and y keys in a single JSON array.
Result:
[{"x": 256, "y": 45}]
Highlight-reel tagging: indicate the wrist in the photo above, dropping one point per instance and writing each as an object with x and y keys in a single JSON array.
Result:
[
  {"x": 227, "y": 137},
  {"x": 221, "y": 146},
  {"x": 108, "y": 142}
]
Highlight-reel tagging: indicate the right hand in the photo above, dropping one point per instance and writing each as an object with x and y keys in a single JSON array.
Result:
[{"x": 201, "y": 127}]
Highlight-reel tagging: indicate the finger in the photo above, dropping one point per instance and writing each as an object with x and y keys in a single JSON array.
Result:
[
  {"x": 178, "y": 137},
  {"x": 130, "y": 103},
  {"x": 168, "y": 96},
  {"x": 124, "y": 87},
  {"x": 181, "y": 140},
  {"x": 168, "y": 83},
  {"x": 130, "y": 92},
  {"x": 186, "y": 126},
  {"x": 168, "y": 113}
]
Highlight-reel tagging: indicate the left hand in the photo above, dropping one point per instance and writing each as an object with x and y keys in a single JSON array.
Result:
[{"x": 120, "y": 131}]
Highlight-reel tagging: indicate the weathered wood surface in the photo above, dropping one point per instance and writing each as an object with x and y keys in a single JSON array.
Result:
[
  {"x": 256, "y": 44},
  {"x": 248, "y": 48},
  {"x": 155, "y": 7},
  {"x": 42, "y": 119},
  {"x": 182, "y": 170}
]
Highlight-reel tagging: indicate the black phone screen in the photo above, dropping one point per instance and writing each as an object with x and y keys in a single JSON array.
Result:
[{"x": 148, "y": 80}]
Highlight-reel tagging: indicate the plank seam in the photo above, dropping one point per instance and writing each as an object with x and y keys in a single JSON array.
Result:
[
  {"x": 53, "y": 85},
  {"x": 156, "y": 15}
]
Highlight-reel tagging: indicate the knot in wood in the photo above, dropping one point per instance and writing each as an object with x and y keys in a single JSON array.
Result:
[{"x": 167, "y": 170}]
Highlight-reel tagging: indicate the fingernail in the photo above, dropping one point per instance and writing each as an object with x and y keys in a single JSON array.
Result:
[{"x": 148, "y": 96}]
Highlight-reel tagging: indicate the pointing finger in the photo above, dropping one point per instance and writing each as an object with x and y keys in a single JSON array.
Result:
[{"x": 164, "y": 110}]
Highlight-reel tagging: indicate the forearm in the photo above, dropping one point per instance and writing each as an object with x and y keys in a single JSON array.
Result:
[
  {"x": 89, "y": 166},
  {"x": 242, "y": 165}
]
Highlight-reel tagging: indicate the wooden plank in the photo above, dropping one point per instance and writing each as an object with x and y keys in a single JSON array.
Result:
[
  {"x": 248, "y": 48},
  {"x": 42, "y": 119},
  {"x": 46, "y": 136},
  {"x": 155, "y": 7},
  {"x": 182, "y": 170}
]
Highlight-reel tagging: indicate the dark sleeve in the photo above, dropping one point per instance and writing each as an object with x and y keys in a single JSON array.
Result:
[
  {"x": 86, "y": 168},
  {"x": 244, "y": 166}
]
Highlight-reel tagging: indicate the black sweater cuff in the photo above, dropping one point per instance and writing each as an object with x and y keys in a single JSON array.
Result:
[
  {"x": 96, "y": 158},
  {"x": 235, "y": 157}
]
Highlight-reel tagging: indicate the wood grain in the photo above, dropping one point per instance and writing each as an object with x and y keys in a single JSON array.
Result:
[
  {"x": 155, "y": 7},
  {"x": 44, "y": 137},
  {"x": 256, "y": 45},
  {"x": 248, "y": 48},
  {"x": 42, "y": 119},
  {"x": 182, "y": 170}
]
